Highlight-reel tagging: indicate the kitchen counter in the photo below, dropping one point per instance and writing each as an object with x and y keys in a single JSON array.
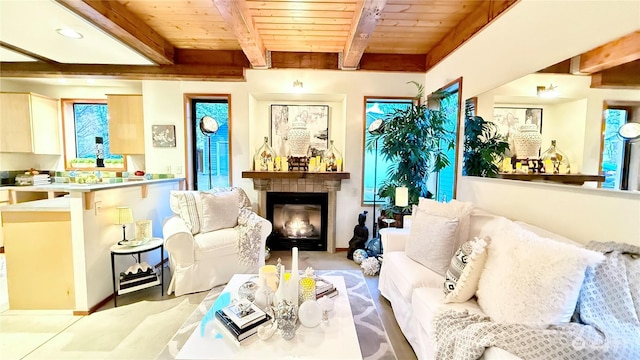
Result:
[
  {"x": 48, "y": 205},
  {"x": 87, "y": 189}
]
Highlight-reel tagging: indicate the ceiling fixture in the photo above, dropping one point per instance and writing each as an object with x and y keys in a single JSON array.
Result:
[
  {"x": 547, "y": 91},
  {"x": 298, "y": 84},
  {"x": 70, "y": 33}
]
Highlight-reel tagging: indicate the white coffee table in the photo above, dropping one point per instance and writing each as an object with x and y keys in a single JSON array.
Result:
[{"x": 336, "y": 339}]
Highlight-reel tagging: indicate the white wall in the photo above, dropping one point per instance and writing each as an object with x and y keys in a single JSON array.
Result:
[
  {"x": 533, "y": 35},
  {"x": 343, "y": 91},
  {"x": 94, "y": 232}
]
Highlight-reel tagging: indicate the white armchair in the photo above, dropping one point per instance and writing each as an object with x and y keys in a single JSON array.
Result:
[{"x": 212, "y": 236}]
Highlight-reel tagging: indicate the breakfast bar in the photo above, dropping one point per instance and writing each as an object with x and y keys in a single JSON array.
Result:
[{"x": 60, "y": 245}]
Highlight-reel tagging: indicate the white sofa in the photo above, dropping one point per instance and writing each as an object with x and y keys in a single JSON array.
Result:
[
  {"x": 416, "y": 292},
  {"x": 201, "y": 259}
]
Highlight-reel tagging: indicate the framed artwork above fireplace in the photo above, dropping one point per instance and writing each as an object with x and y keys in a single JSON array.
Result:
[{"x": 316, "y": 118}]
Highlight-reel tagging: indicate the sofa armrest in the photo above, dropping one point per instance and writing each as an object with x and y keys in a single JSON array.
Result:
[
  {"x": 393, "y": 239},
  {"x": 178, "y": 241}
]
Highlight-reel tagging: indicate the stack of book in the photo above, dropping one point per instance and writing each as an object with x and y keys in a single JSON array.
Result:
[
  {"x": 32, "y": 179},
  {"x": 241, "y": 320},
  {"x": 325, "y": 288}
]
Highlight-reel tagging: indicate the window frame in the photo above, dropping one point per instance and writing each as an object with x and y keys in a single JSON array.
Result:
[
  {"x": 69, "y": 127},
  {"x": 399, "y": 99}
]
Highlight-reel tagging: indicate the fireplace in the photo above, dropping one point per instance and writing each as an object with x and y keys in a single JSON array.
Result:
[{"x": 299, "y": 219}]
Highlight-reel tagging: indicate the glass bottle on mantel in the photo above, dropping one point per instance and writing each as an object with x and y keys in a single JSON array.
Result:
[
  {"x": 264, "y": 158},
  {"x": 333, "y": 158},
  {"x": 554, "y": 160}
]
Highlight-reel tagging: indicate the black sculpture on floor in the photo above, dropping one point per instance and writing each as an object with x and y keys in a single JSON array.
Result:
[{"x": 360, "y": 235}]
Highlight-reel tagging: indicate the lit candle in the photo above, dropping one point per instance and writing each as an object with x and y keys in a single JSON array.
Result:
[
  {"x": 285, "y": 164},
  {"x": 339, "y": 164},
  {"x": 506, "y": 165},
  {"x": 312, "y": 164}
]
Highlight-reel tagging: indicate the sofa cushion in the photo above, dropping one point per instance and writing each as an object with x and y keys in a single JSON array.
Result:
[
  {"x": 427, "y": 302},
  {"x": 532, "y": 280},
  {"x": 454, "y": 209},
  {"x": 461, "y": 279},
  {"x": 432, "y": 240},
  {"x": 187, "y": 205},
  {"x": 243, "y": 199},
  {"x": 409, "y": 274},
  {"x": 222, "y": 242},
  {"x": 219, "y": 210}
]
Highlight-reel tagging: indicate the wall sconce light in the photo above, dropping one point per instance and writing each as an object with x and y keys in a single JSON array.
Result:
[
  {"x": 547, "y": 91},
  {"x": 298, "y": 84}
]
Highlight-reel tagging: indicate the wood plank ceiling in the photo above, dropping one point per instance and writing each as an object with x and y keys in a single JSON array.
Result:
[{"x": 186, "y": 37}]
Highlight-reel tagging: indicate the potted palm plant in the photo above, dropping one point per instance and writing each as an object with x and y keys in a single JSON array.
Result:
[
  {"x": 484, "y": 147},
  {"x": 414, "y": 141}
]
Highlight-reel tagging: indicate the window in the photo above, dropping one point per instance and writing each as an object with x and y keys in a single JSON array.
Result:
[
  {"x": 211, "y": 153},
  {"x": 374, "y": 167},
  {"x": 613, "y": 148},
  {"x": 85, "y": 121},
  {"x": 446, "y": 178}
]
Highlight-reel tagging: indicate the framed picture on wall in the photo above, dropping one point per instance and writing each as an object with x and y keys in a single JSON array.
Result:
[
  {"x": 508, "y": 119},
  {"x": 316, "y": 118},
  {"x": 163, "y": 135}
]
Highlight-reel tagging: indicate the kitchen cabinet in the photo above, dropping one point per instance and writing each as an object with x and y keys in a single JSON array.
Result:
[
  {"x": 126, "y": 124},
  {"x": 29, "y": 124}
]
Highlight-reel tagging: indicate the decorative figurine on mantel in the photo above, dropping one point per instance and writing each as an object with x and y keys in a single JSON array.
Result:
[{"x": 360, "y": 235}]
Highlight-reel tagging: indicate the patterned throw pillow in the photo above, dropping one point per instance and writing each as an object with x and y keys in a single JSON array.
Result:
[
  {"x": 461, "y": 280},
  {"x": 188, "y": 206}
]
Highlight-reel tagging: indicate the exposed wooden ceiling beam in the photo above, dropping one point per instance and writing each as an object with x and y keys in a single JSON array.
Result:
[
  {"x": 365, "y": 18},
  {"x": 130, "y": 72},
  {"x": 482, "y": 16},
  {"x": 625, "y": 76},
  {"x": 393, "y": 62},
  {"x": 117, "y": 20},
  {"x": 211, "y": 57},
  {"x": 237, "y": 16},
  {"x": 617, "y": 52},
  {"x": 304, "y": 60},
  {"x": 563, "y": 67}
]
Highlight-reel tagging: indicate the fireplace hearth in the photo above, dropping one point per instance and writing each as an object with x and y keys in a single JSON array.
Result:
[{"x": 299, "y": 219}]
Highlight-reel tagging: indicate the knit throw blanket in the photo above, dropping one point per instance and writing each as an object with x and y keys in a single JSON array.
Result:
[
  {"x": 605, "y": 325},
  {"x": 249, "y": 229}
]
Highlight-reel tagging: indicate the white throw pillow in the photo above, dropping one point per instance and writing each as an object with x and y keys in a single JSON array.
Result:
[
  {"x": 219, "y": 210},
  {"x": 432, "y": 241},
  {"x": 532, "y": 280},
  {"x": 461, "y": 279},
  {"x": 454, "y": 209},
  {"x": 188, "y": 206}
]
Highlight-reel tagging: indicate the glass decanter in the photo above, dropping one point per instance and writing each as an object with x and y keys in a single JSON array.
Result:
[
  {"x": 264, "y": 158},
  {"x": 554, "y": 160},
  {"x": 332, "y": 158}
]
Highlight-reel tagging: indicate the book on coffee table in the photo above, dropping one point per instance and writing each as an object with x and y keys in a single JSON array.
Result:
[
  {"x": 244, "y": 313},
  {"x": 237, "y": 334}
]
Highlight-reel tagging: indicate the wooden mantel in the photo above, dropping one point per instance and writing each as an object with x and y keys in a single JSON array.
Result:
[
  {"x": 324, "y": 175},
  {"x": 573, "y": 179},
  {"x": 329, "y": 182}
]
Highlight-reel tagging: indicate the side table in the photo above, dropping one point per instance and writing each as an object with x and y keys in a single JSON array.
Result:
[{"x": 153, "y": 244}]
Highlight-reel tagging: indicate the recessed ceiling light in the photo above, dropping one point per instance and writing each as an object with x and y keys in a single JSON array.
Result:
[{"x": 70, "y": 33}]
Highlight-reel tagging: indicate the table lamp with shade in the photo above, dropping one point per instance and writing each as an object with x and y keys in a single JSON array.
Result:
[{"x": 123, "y": 216}]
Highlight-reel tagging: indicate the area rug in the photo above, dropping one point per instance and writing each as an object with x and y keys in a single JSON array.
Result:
[{"x": 373, "y": 339}]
